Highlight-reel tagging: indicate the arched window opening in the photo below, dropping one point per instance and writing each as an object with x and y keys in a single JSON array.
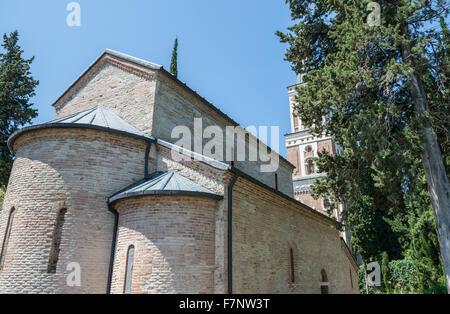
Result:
[
  {"x": 308, "y": 149},
  {"x": 310, "y": 168},
  {"x": 351, "y": 278},
  {"x": 291, "y": 254},
  {"x": 7, "y": 236},
  {"x": 129, "y": 269},
  {"x": 323, "y": 276},
  {"x": 296, "y": 123},
  {"x": 324, "y": 284},
  {"x": 56, "y": 241}
]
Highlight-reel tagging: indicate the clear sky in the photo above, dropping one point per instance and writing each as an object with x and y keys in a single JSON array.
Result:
[{"x": 227, "y": 52}]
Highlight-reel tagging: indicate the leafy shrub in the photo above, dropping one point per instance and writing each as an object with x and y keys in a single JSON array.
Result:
[{"x": 404, "y": 275}]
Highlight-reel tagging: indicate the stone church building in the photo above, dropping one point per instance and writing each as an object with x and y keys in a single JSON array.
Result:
[{"x": 98, "y": 203}]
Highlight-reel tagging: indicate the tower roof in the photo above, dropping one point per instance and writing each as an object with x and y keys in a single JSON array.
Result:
[
  {"x": 98, "y": 118},
  {"x": 164, "y": 183}
]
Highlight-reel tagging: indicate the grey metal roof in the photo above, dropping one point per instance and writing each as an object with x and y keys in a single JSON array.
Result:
[
  {"x": 145, "y": 63},
  {"x": 207, "y": 160},
  {"x": 164, "y": 183},
  {"x": 97, "y": 118},
  {"x": 304, "y": 184}
]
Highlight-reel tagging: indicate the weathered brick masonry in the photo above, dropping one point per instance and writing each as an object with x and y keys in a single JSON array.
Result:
[
  {"x": 266, "y": 228},
  {"x": 174, "y": 240},
  {"x": 75, "y": 169}
]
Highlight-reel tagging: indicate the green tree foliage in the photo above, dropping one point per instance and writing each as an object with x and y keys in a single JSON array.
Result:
[
  {"x": 17, "y": 86},
  {"x": 424, "y": 244},
  {"x": 2, "y": 194},
  {"x": 174, "y": 62},
  {"x": 372, "y": 233},
  {"x": 385, "y": 270},
  {"x": 440, "y": 93},
  {"x": 404, "y": 275},
  {"x": 358, "y": 88}
]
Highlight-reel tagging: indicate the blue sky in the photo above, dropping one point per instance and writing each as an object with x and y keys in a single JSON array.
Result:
[{"x": 228, "y": 52}]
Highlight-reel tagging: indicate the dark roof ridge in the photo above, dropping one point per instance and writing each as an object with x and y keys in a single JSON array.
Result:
[{"x": 164, "y": 183}]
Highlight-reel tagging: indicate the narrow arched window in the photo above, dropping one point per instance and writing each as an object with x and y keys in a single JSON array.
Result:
[
  {"x": 7, "y": 235},
  {"x": 310, "y": 169},
  {"x": 56, "y": 241},
  {"x": 351, "y": 278},
  {"x": 129, "y": 269},
  {"x": 296, "y": 123},
  {"x": 291, "y": 255},
  {"x": 324, "y": 284}
]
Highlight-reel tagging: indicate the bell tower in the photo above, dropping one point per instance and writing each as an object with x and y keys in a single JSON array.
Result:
[{"x": 302, "y": 147}]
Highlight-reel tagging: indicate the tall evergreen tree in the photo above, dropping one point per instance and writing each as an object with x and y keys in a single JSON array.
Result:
[
  {"x": 17, "y": 86},
  {"x": 2, "y": 194},
  {"x": 372, "y": 87},
  {"x": 174, "y": 62}
]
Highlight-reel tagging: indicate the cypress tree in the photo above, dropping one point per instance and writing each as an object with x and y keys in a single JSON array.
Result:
[
  {"x": 378, "y": 89},
  {"x": 2, "y": 194},
  {"x": 385, "y": 270},
  {"x": 174, "y": 62},
  {"x": 17, "y": 86}
]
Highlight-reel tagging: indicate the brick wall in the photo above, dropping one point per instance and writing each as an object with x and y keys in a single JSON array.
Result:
[
  {"x": 174, "y": 106},
  {"x": 214, "y": 179},
  {"x": 265, "y": 228},
  {"x": 126, "y": 94},
  {"x": 307, "y": 199},
  {"x": 293, "y": 154},
  {"x": 200, "y": 172},
  {"x": 180, "y": 241},
  {"x": 154, "y": 103},
  {"x": 74, "y": 169},
  {"x": 327, "y": 146},
  {"x": 174, "y": 244}
]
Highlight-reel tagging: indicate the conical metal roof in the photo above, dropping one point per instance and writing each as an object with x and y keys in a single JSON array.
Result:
[
  {"x": 164, "y": 183},
  {"x": 101, "y": 117},
  {"x": 98, "y": 118}
]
